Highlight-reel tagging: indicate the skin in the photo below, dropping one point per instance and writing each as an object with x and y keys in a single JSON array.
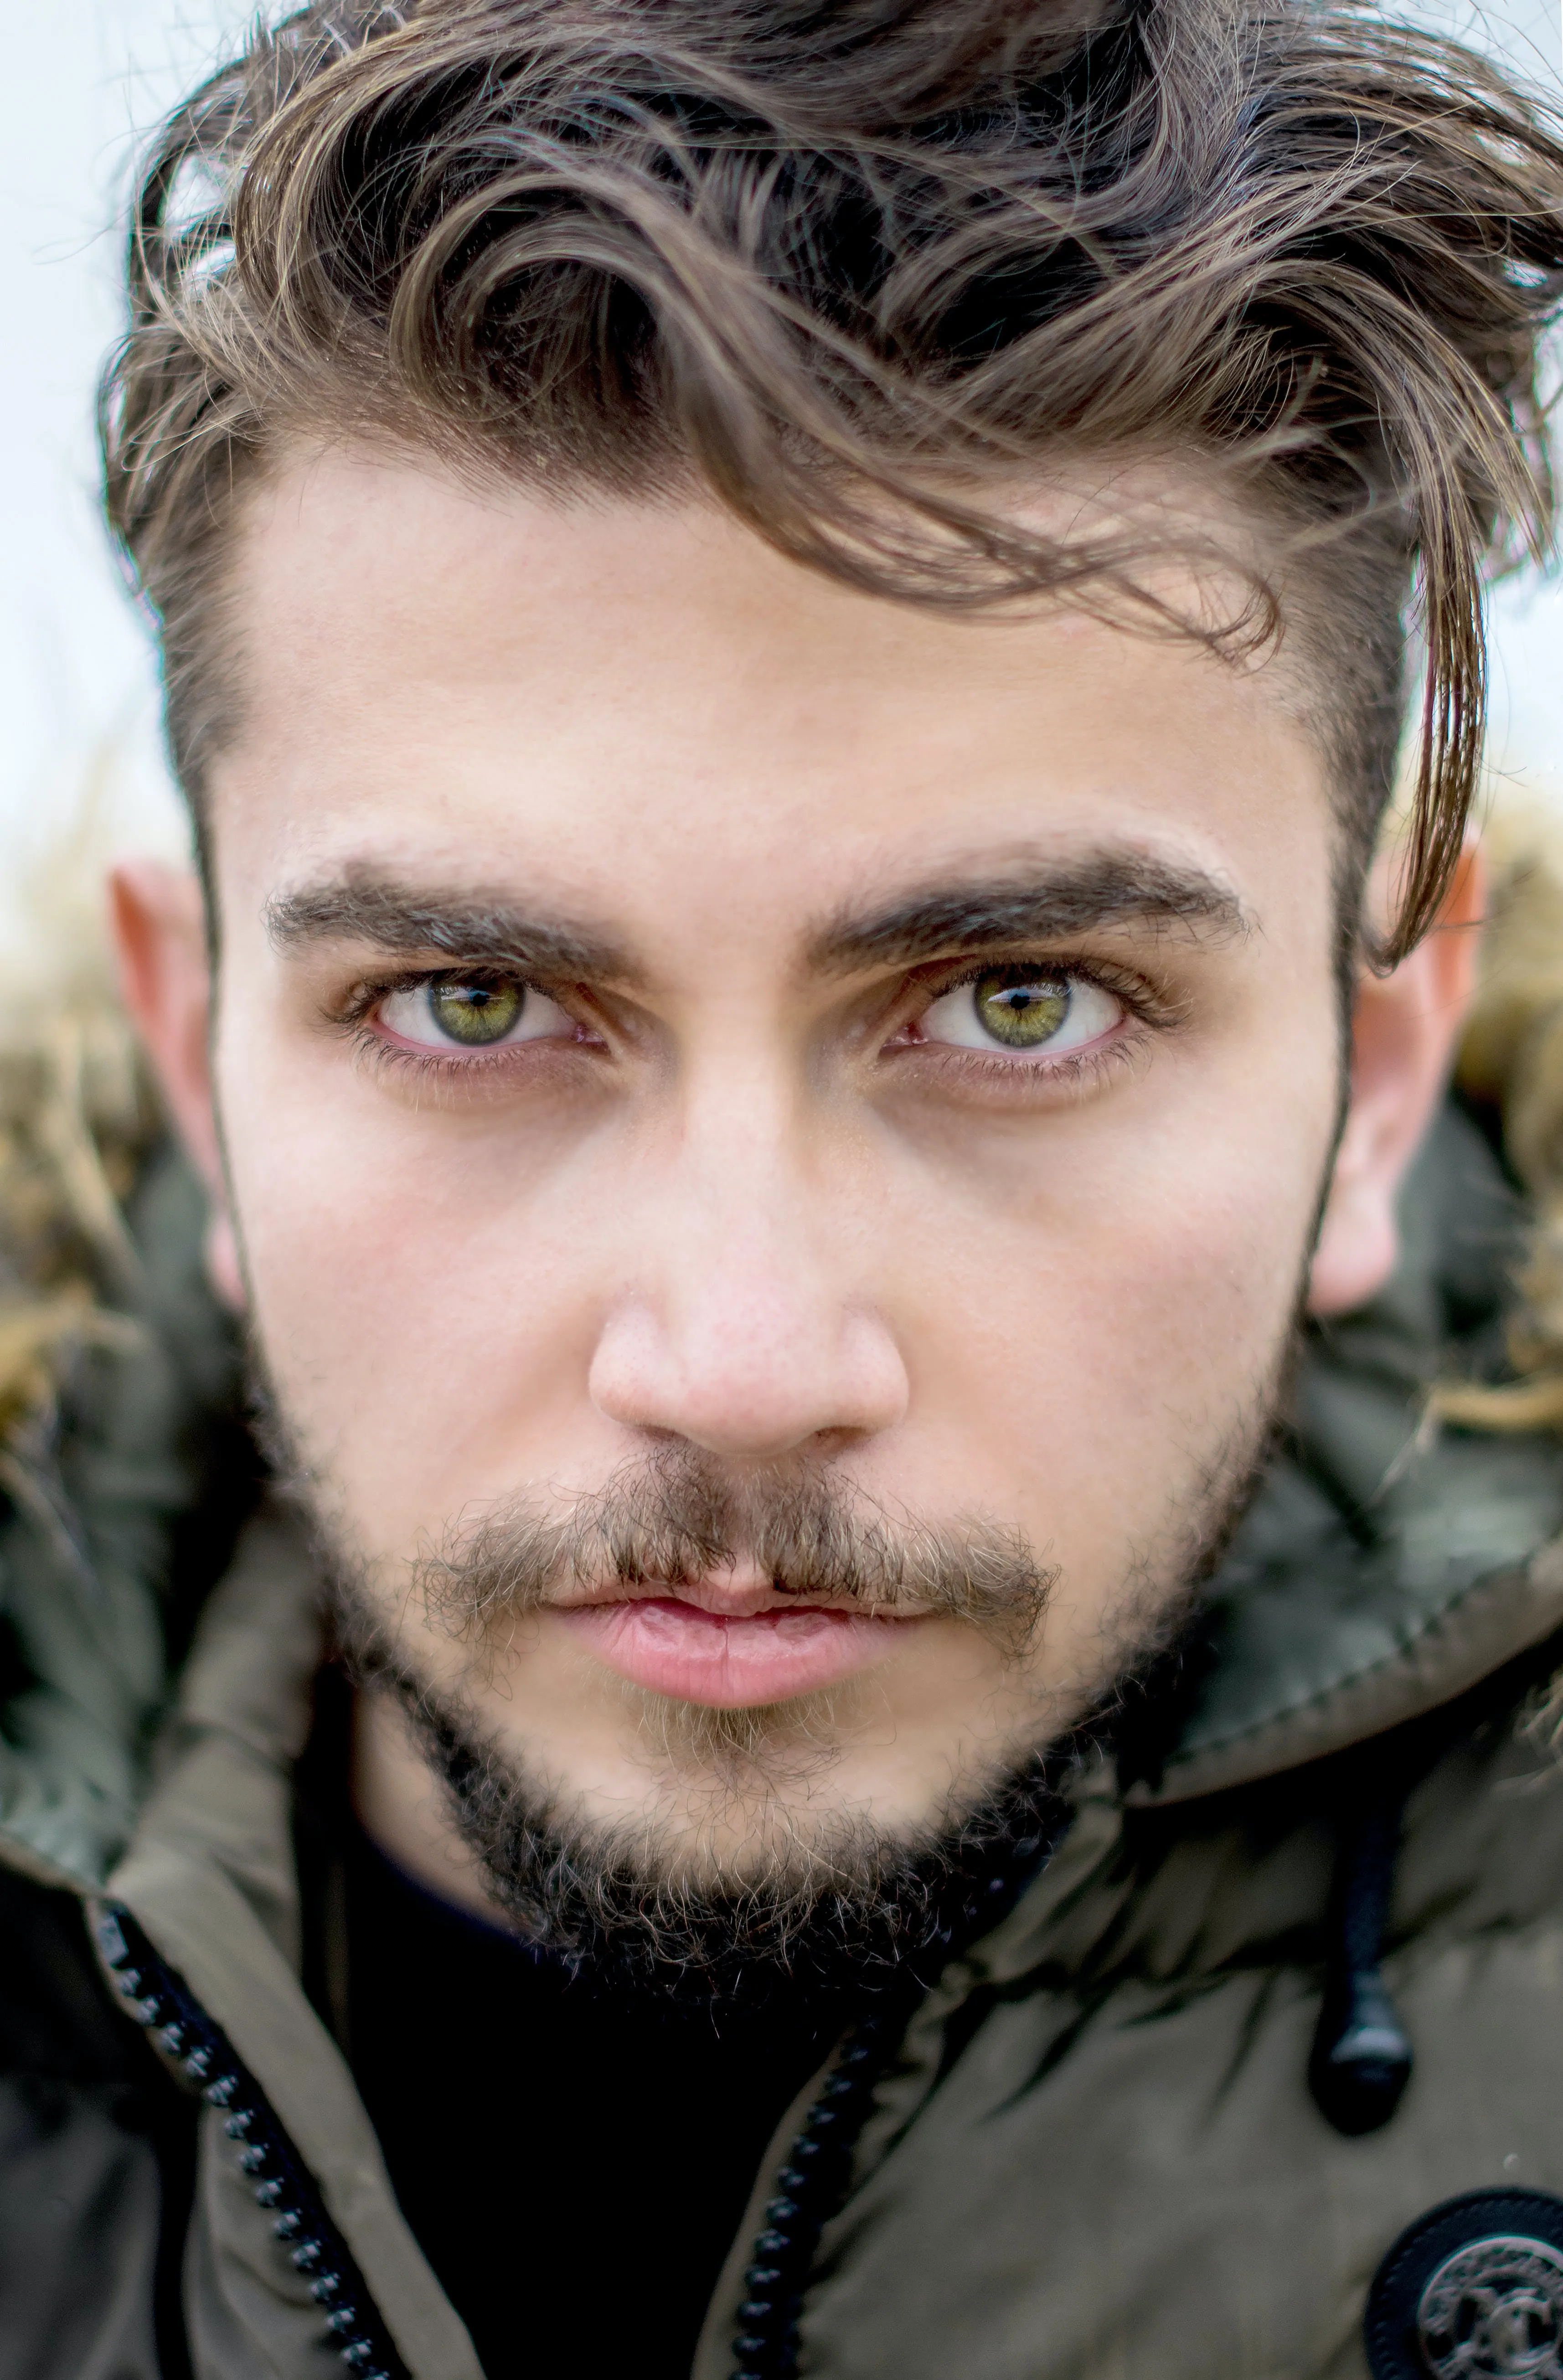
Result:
[{"x": 749, "y": 1194}]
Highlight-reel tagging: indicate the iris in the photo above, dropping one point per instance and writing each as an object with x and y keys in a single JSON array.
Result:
[
  {"x": 1021, "y": 1011},
  {"x": 476, "y": 1012}
]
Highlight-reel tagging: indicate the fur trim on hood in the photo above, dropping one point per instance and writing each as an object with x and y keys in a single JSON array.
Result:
[
  {"x": 77, "y": 1120},
  {"x": 1511, "y": 1060}
]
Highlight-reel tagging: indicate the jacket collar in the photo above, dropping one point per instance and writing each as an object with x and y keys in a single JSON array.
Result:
[
  {"x": 211, "y": 1878},
  {"x": 1389, "y": 1562}
]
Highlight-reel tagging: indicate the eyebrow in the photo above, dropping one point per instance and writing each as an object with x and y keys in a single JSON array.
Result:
[
  {"x": 1108, "y": 889},
  {"x": 469, "y": 931}
]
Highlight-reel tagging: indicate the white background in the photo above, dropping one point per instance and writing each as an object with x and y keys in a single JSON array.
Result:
[{"x": 81, "y": 82}]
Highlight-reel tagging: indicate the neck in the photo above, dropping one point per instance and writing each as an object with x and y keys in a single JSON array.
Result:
[{"x": 403, "y": 1810}]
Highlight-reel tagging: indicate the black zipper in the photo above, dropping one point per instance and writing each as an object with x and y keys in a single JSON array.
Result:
[
  {"x": 815, "y": 2179},
  {"x": 160, "y": 1999}
]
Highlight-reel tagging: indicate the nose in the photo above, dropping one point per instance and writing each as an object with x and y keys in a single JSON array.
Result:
[{"x": 741, "y": 1328}]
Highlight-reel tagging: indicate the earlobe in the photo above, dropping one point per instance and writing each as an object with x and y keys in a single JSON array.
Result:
[
  {"x": 1404, "y": 1034},
  {"x": 158, "y": 922}
]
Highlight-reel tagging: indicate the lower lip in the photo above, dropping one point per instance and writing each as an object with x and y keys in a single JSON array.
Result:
[{"x": 705, "y": 1657}]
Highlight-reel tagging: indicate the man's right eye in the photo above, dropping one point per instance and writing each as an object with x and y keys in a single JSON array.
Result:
[{"x": 461, "y": 1012}]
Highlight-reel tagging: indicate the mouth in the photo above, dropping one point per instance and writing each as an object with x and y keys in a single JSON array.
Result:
[{"x": 727, "y": 1658}]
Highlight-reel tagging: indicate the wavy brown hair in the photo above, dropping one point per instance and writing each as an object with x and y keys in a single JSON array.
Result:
[{"x": 858, "y": 268}]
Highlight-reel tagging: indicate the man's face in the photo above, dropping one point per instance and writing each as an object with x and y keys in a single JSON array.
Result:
[{"x": 698, "y": 1039}]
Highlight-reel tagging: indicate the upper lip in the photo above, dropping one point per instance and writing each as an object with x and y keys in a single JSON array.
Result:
[{"x": 742, "y": 1593}]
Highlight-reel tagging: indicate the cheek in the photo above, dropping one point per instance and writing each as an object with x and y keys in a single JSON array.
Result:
[
  {"x": 1092, "y": 1327},
  {"x": 427, "y": 1300}
]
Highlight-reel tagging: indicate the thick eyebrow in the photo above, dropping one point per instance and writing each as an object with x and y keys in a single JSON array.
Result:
[
  {"x": 1108, "y": 889},
  {"x": 470, "y": 931}
]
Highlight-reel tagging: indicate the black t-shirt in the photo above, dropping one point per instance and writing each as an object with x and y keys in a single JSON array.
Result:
[{"x": 574, "y": 2166}]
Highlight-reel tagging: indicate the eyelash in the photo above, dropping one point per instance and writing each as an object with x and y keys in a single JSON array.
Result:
[
  {"x": 1147, "y": 1007},
  {"x": 356, "y": 1016}
]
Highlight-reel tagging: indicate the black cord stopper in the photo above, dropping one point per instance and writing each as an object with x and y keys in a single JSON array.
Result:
[{"x": 1362, "y": 2059}]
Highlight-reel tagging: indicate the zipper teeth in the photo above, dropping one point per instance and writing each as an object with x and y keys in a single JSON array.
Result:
[
  {"x": 813, "y": 2183},
  {"x": 809, "y": 2188},
  {"x": 158, "y": 1998}
]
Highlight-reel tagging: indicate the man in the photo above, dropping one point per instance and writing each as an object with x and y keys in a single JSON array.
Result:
[{"x": 785, "y": 633}]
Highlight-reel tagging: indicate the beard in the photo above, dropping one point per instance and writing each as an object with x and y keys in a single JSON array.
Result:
[
  {"x": 838, "y": 1910},
  {"x": 818, "y": 1898}
]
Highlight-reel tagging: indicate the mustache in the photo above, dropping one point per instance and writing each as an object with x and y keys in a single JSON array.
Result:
[{"x": 673, "y": 1518}]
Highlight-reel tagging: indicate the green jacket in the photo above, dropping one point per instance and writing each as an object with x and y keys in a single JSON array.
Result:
[{"x": 1096, "y": 2154}]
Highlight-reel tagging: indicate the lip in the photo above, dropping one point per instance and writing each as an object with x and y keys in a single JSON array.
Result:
[{"x": 730, "y": 1660}]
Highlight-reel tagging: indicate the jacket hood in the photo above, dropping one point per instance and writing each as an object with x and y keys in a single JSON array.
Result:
[
  {"x": 125, "y": 1493},
  {"x": 1391, "y": 1560},
  {"x": 125, "y": 1470}
]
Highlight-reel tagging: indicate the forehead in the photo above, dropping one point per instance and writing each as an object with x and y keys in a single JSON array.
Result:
[{"x": 630, "y": 695}]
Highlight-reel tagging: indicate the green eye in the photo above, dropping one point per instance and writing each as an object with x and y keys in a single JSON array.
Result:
[
  {"x": 476, "y": 1012},
  {"x": 1021, "y": 1011}
]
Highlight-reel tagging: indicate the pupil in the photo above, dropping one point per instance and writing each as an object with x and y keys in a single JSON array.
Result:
[
  {"x": 1022, "y": 1014},
  {"x": 476, "y": 1012}
]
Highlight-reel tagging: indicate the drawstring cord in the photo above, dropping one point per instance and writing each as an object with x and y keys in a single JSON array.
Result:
[
  {"x": 159, "y": 1999},
  {"x": 1362, "y": 2059},
  {"x": 1360, "y": 2063}
]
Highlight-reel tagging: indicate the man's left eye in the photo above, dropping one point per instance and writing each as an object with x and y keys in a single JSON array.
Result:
[
  {"x": 453, "y": 1013},
  {"x": 1022, "y": 1010}
]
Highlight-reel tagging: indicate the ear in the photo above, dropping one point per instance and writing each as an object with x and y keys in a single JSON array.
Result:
[
  {"x": 157, "y": 917},
  {"x": 1404, "y": 1036}
]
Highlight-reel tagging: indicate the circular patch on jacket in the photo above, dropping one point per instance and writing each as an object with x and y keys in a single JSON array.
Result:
[{"x": 1473, "y": 2291}]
